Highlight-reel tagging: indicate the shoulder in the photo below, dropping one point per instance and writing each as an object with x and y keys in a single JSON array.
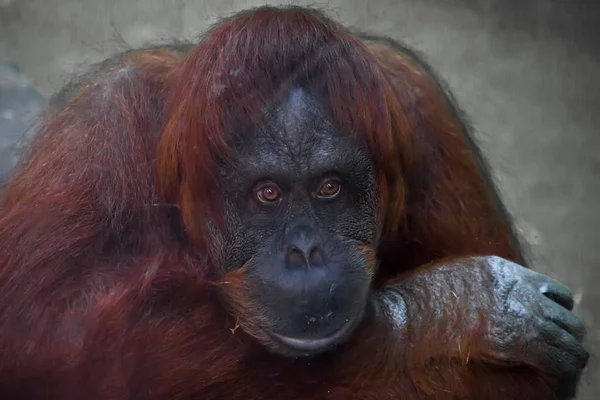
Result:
[{"x": 144, "y": 68}]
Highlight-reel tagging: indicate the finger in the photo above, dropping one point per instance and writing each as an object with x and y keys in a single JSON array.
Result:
[
  {"x": 553, "y": 289},
  {"x": 561, "y": 350},
  {"x": 563, "y": 318},
  {"x": 559, "y": 293}
]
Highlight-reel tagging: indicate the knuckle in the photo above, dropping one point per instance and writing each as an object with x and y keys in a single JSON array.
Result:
[
  {"x": 558, "y": 293},
  {"x": 540, "y": 343},
  {"x": 494, "y": 259},
  {"x": 542, "y": 329},
  {"x": 577, "y": 328},
  {"x": 583, "y": 359},
  {"x": 552, "y": 286},
  {"x": 575, "y": 362},
  {"x": 503, "y": 266}
]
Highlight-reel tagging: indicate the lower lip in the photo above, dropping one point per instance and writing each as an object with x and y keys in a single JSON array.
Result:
[{"x": 311, "y": 345}]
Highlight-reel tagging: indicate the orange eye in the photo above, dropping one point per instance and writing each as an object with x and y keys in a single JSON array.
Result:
[
  {"x": 267, "y": 192},
  {"x": 329, "y": 189}
]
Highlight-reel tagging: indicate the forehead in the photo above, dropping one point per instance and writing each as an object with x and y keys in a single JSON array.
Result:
[{"x": 297, "y": 136}]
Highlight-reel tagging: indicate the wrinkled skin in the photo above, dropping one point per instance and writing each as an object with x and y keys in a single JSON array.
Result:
[
  {"x": 304, "y": 306},
  {"x": 535, "y": 309},
  {"x": 303, "y": 296},
  {"x": 528, "y": 315}
]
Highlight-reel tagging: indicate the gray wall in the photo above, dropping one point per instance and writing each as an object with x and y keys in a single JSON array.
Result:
[{"x": 526, "y": 71}]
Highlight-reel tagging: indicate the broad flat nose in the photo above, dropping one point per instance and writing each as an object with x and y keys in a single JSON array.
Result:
[{"x": 304, "y": 246}]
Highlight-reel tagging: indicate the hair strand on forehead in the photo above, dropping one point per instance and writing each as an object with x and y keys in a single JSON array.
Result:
[{"x": 231, "y": 89}]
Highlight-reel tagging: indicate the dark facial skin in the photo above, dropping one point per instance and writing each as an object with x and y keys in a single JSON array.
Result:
[{"x": 301, "y": 204}]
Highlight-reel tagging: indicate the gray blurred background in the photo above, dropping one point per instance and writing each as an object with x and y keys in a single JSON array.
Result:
[{"x": 527, "y": 72}]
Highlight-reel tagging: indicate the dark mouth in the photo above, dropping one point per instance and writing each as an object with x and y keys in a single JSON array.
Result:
[{"x": 311, "y": 346}]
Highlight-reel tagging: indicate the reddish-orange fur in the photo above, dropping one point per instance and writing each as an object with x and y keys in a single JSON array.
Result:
[{"x": 100, "y": 300}]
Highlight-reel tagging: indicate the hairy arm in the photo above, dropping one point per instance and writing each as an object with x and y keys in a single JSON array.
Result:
[
  {"x": 473, "y": 328},
  {"x": 79, "y": 231}
]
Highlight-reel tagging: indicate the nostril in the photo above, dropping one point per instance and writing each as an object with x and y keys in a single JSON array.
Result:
[
  {"x": 295, "y": 258},
  {"x": 317, "y": 257}
]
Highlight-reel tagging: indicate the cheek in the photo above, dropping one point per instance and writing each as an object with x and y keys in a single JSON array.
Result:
[
  {"x": 236, "y": 245},
  {"x": 243, "y": 241},
  {"x": 357, "y": 223}
]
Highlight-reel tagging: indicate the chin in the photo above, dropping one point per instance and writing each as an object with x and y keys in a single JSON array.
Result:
[
  {"x": 309, "y": 347},
  {"x": 302, "y": 312},
  {"x": 301, "y": 344}
]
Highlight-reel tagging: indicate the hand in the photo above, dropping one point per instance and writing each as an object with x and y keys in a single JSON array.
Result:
[
  {"x": 533, "y": 323},
  {"x": 489, "y": 310}
]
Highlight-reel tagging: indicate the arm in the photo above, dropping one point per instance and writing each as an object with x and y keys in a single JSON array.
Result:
[
  {"x": 73, "y": 217},
  {"x": 478, "y": 328}
]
